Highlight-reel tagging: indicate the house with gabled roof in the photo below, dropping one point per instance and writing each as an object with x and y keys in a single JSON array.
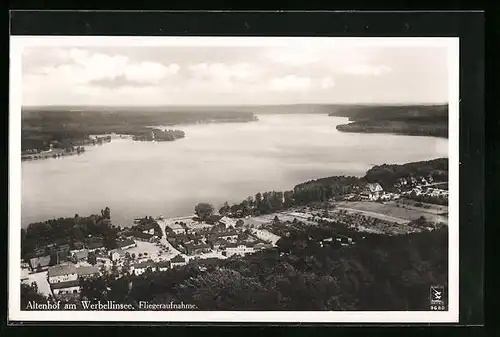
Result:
[
  {"x": 81, "y": 255},
  {"x": 163, "y": 265},
  {"x": 178, "y": 260},
  {"x": 372, "y": 191},
  {"x": 86, "y": 272},
  {"x": 141, "y": 267},
  {"x": 62, "y": 273},
  {"x": 40, "y": 263}
]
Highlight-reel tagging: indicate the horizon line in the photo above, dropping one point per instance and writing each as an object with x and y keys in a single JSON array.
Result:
[{"x": 237, "y": 105}]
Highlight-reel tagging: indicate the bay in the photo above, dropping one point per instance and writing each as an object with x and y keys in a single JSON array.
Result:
[{"x": 213, "y": 163}]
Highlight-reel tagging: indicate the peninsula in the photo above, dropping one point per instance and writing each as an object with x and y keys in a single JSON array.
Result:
[{"x": 411, "y": 120}]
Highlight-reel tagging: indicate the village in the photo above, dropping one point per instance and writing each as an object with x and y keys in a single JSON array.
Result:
[{"x": 159, "y": 244}]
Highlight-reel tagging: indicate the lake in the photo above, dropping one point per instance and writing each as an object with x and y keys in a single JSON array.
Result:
[{"x": 213, "y": 163}]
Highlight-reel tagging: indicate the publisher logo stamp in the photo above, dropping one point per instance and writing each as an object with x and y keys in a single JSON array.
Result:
[{"x": 437, "y": 297}]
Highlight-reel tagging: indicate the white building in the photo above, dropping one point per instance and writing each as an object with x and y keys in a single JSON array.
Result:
[
  {"x": 116, "y": 255},
  {"x": 65, "y": 288},
  {"x": 228, "y": 221},
  {"x": 141, "y": 267},
  {"x": 62, "y": 273},
  {"x": 238, "y": 249},
  {"x": 177, "y": 261}
]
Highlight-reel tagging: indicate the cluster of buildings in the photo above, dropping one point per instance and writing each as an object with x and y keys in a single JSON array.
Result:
[
  {"x": 224, "y": 235},
  {"x": 64, "y": 279},
  {"x": 375, "y": 192}
]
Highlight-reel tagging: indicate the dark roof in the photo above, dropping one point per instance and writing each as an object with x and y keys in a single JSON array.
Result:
[
  {"x": 142, "y": 235},
  {"x": 62, "y": 269},
  {"x": 214, "y": 218},
  {"x": 163, "y": 264},
  {"x": 87, "y": 270},
  {"x": 82, "y": 254},
  {"x": 178, "y": 258},
  {"x": 126, "y": 243},
  {"x": 62, "y": 285},
  {"x": 145, "y": 226},
  {"x": 194, "y": 246},
  {"x": 42, "y": 261},
  {"x": 78, "y": 244},
  {"x": 144, "y": 264}
]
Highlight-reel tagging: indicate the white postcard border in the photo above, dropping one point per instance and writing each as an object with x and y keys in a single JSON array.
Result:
[{"x": 17, "y": 43}]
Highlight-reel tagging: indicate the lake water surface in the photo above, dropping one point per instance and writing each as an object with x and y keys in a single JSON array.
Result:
[{"x": 213, "y": 163}]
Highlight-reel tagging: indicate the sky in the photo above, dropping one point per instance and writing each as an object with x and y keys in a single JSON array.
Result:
[{"x": 233, "y": 75}]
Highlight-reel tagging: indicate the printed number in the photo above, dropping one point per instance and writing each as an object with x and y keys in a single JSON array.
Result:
[{"x": 438, "y": 307}]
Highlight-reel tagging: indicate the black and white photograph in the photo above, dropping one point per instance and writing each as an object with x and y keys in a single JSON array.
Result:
[{"x": 247, "y": 179}]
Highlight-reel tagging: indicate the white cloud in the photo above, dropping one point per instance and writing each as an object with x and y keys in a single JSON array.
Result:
[
  {"x": 222, "y": 71},
  {"x": 82, "y": 67},
  {"x": 146, "y": 72},
  {"x": 290, "y": 83}
]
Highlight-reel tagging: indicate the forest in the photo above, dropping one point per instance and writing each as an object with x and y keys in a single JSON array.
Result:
[
  {"x": 387, "y": 174},
  {"x": 376, "y": 273},
  {"x": 412, "y": 120},
  {"x": 68, "y": 231},
  {"x": 69, "y": 125}
]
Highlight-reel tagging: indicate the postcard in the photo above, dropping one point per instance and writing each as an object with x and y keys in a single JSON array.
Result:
[{"x": 233, "y": 179}]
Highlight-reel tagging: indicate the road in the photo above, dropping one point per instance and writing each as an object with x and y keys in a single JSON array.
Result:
[
  {"x": 165, "y": 242},
  {"x": 41, "y": 281}
]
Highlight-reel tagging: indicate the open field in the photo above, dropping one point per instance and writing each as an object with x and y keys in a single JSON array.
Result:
[
  {"x": 154, "y": 251},
  {"x": 389, "y": 211},
  {"x": 422, "y": 206}
]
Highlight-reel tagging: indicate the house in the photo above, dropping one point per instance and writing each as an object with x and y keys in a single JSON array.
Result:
[
  {"x": 66, "y": 288},
  {"x": 219, "y": 243},
  {"x": 126, "y": 244},
  {"x": 238, "y": 249},
  {"x": 96, "y": 244},
  {"x": 163, "y": 265},
  {"x": 145, "y": 237},
  {"x": 177, "y": 261},
  {"x": 372, "y": 191},
  {"x": 40, "y": 263},
  {"x": 63, "y": 248},
  {"x": 213, "y": 219},
  {"x": 227, "y": 222},
  {"x": 175, "y": 228},
  {"x": 78, "y": 245},
  {"x": 125, "y": 233},
  {"x": 116, "y": 254},
  {"x": 63, "y": 272},
  {"x": 262, "y": 246},
  {"x": 146, "y": 226},
  {"x": 230, "y": 236},
  {"x": 141, "y": 267},
  {"x": 81, "y": 255},
  {"x": 344, "y": 240},
  {"x": 86, "y": 272},
  {"x": 193, "y": 249}
]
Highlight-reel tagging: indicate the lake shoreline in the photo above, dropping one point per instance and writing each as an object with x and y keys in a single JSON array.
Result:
[{"x": 218, "y": 162}]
